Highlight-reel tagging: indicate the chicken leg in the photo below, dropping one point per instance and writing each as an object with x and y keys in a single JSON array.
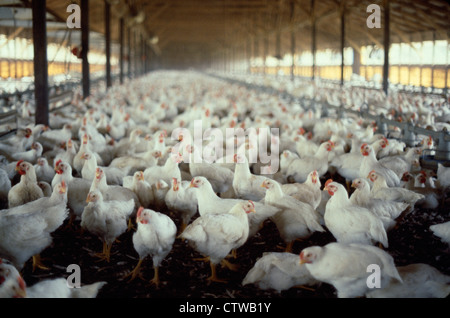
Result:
[
  {"x": 106, "y": 253},
  {"x": 136, "y": 271},
  {"x": 289, "y": 247},
  {"x": 38, "y": 263},
  {"x": 213, "y": 277},
  {"x": 155, "y": 279},
  {"x": 230, "y": 266}
]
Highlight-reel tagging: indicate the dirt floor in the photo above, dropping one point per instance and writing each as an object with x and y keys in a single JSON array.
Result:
[{"x": 185, "y": 278}]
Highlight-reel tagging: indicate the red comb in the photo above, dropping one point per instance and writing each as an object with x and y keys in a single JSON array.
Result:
[
  {"x": 19, "y": 162},
  {"x": 363, "y": 145},
  {"x": 328, "y": 182}
]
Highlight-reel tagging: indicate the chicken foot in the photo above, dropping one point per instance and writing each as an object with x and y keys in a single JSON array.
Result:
[
  {"x": 229, "y": 265},
  {"x": 213, "y": 277},
  {"x": 38, "y": 263},
  {"x": 136, "y": 272},
  {"x": 155, "y": 279},
  {"x": 106, "y": 253}
]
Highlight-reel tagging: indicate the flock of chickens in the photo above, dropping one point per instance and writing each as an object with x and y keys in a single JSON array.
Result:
[{"x": 108, "y": 164}]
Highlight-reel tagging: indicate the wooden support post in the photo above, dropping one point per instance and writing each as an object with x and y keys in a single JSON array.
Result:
[
  {"x": 292, "y": 54},
  {"x": 85, "y": 46},
  {"x": 249, "y": 56},
  {"x": 108, "y": 42},
  {"x": 342, "y": 45},
  {"x": 121, "y": 39},
  {"x": 291, "y": 19},
  {"x": 387, "y": 44},
  {"x": 266, "y": 52},
  {"x": 256, "y": 51},
  {"x": 356, "y": 62},
  {"x": 278, "y": 51},
  {"x": 313, "y": 40},
  {"x": 129, "y": 52},
  {"x": 40, "y": 62}
]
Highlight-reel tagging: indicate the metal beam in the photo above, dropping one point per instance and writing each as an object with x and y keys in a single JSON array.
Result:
[
  {"x": 40, "y": 62},
  {"x": 85, "y": 46},
  {"x": 387, "y": 44},
  {"x": 108, "y": 42}
]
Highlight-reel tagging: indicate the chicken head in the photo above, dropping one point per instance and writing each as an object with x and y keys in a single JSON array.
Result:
[{"x": 309, "y": 254}]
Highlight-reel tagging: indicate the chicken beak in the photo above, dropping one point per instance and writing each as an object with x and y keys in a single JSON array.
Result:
[
  {"x": 192, "y": 185},
  {"x": 263, "y": 185},
  {"x": 353, "y": 184},
  {"x": 141, "y": 177},
  {"x": 88, "y": 199},
  {"x": 302, "y": 261},
  {"x": 21, "y": 293}
]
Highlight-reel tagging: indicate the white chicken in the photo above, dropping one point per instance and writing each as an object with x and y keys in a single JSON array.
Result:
[
  {"x": 345, "y": 266},
  {"x": 402, "y": 162},
  {"x": 160, "y": 190},
  {"x": 370, "y": 162},
  {"x": 386, "y": 210},
  {"x": 245, "y": 184},
  {"x": 68, "y": 155},
  {"x": 142, "y": 189},
  {"x": 279, "y": 271},
  {"x": 350, "y": 223},
  {"x": 166, "y": 172},
  {"x": 221, "y": 178},
  {"x": 182, "y": 199},
  {"x": 381, "y": 190},
  {"x": 13, "y": 286},
  {"x": 106, "y": 219},
  {"x": 442, "y": 231},
  {"x": 52, "y": 137},
  {"x": 154, "y": 237},
  {"x": 348, "y": 164},
  {"x": 286, "y": 158},
  {"x": 137, "y": 163},
  {"x": 215, "y": 235},
  {"x": 25, "y": 230},
  {"x": 46, "y": 188},
  {"x": 27, "y": 189},
  {"x": 114, "y": 176},
  {"x": 210, "y": 203},
  {"x": 443, "y": 176},
  {"x": 296, "y": 219},
  {"x": 418, "y": 281},
  {"x": 5, "y": 186},
  {"x": 308, "y": 191},
  {"x": 17, "y": 143},
  {"x": 127, "y": 146},
  {"x": 78, "y": 160},
  {"x": 44, "y": 172},
  {"x": 31, "y": 155},
  {"x": 300, "y": 168},
  {"x": 78, "y": 189}
]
